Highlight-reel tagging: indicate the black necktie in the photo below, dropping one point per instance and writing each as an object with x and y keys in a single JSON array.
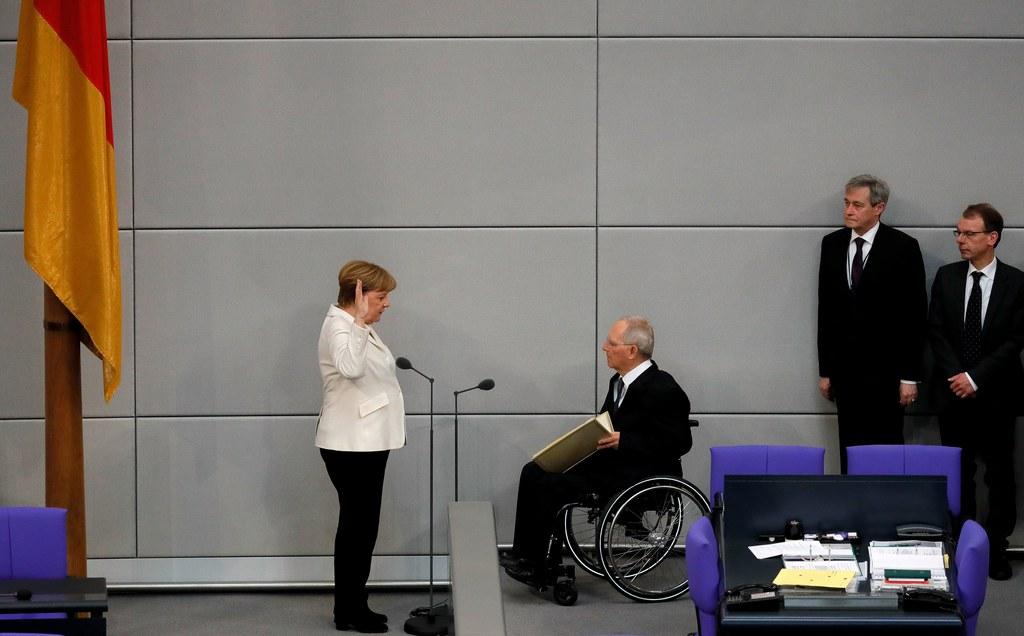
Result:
[
  {"x": 620, "y": 387},
  {"x": 972, "y": 324},
  {"x": 857, "y": 269}
]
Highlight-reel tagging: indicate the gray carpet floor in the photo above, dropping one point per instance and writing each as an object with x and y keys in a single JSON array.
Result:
[{"x": 600, "y": 611}]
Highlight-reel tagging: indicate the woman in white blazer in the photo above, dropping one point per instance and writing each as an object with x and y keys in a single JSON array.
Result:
[{"x": 361, "y": 420}]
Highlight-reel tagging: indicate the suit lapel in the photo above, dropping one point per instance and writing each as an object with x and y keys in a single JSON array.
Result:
[
  {"x": 996, "y": 298},
  {"x": 376, "y": 341},
  {"x": 637, "y": 385},
  {"x": 878, "y": 248},
  {"x": 959, "y": 284},
  {"x": 843, "y": 254}
]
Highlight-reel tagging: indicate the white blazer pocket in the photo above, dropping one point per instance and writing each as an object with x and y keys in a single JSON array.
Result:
[{"x": 375, "y": 403}]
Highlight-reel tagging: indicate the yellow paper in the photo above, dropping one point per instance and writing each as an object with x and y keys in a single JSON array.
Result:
[{"x": 814, "y": 578}]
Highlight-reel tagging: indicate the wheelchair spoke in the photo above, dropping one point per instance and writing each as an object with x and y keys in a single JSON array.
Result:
[{"x": 642, "y": 542}]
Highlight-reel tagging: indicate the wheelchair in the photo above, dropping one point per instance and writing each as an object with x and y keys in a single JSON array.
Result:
[{"x": 635, "y": 540}]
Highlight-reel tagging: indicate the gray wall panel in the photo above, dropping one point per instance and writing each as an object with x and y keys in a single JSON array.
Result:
[
  {"x": 21, "y": 340},
  {"x": 118, "y": 18},
  {"x": 109, "y": 447},
  {"x": 110, "y": 487},
  {"x": 840, "y": 18},
  {"x": 365, "y": 133},
  {"x": 229, "y": 320},
  {"x": 13, "y": 121},
  {"x": 258, "y": 487},
  {"x": 22, "y": 462},
  {"x": 327, "y": 18},
  {"x": 492, "y": 451},
  {"x": 765, "y": 132},
  {"x": 734, "y": 325}
]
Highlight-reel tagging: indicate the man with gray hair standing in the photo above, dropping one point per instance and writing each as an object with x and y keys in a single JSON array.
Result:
[
  {"x": 872, "y": 309},
  {"x": 650, "y": 413}
]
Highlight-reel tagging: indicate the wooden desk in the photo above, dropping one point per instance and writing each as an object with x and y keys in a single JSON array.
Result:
[
  {"x": 871, "y": 505},
  {"x": 71, "y": 595}
]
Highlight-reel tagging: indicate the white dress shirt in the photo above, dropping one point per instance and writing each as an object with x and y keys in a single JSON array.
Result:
[
  {"x": 869, "y": 238},
  {"x": 988, "y": 275},
  {"x": 628, "y": 379}
]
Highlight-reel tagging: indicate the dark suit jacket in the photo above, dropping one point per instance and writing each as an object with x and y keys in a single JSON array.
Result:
[
  {"x": 999, "y": 374},
  {"x": 653, "y": 420},
  {"x": 883, "y": 322}
]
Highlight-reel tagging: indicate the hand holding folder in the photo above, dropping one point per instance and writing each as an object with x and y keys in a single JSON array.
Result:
[{"x": 575, "y": 446}]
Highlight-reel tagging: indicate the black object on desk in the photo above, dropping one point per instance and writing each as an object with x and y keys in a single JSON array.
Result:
[
  {"x": 875, "y": 505},
  {"x": 71, "y": 595}
]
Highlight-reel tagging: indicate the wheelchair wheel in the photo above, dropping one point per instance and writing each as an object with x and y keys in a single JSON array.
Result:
[
  {"x": 642, "y": 537},
  {"x": 579, "y": 526},
  {"x": 566, "y": 593}
]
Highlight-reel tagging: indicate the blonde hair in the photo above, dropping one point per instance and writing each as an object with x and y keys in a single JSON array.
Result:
[{"x": 374, "y": 277}]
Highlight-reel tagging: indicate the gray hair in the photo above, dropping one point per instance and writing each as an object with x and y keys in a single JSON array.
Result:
[
  {"x": 639, "y": 333},
  {"x": 879, "y": 188}
]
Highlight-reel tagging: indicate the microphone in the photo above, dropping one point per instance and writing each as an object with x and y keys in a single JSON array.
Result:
[
  {"x": 21, "y": 595},
  {"x": 484, "y": 385},
  {"x": 403, "y": 363}
]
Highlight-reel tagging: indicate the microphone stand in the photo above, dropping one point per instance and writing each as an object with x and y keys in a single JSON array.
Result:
[
  {"x": 484, "y": 385},
  {"x": 428, "y": 622}
]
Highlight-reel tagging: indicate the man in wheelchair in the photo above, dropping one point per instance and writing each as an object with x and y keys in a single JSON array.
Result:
[{"x": 650, "y": 413}]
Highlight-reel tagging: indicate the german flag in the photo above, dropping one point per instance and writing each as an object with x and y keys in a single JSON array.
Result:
[{"x": 63, "y": 80}]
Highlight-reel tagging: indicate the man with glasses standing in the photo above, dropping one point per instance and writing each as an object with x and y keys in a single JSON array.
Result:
[
  {"x": 976, "y": 332},
  {"x": 650, "y": 413},
  {"x": 871, "y": 319}
]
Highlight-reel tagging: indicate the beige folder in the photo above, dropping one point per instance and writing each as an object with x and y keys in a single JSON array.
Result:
[{"x": 575, "y": 446}]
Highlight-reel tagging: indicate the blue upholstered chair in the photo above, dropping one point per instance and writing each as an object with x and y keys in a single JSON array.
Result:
[
  {"x": 763, "y": 460},
  {"x": 909, "y": 459},
  {"x": 705, "y": 575},
  {"x": 971, "y": 560},
  {"x": 33, "y": 545}
]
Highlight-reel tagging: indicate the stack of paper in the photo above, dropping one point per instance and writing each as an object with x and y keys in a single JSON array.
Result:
[
  {"x": 788, "y": 577},
  {"x": 809, "y": 550},
  {"x": 898, "y": 564}
]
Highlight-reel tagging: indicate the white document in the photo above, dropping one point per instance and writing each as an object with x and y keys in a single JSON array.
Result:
[
  {"x": 810, "y": 550},
  {"x": 820, "y": 565}
]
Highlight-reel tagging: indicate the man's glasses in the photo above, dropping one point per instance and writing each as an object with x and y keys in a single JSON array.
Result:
[
  {"x": 617, "y": 344},
  {"x": 969, "y": 235}
]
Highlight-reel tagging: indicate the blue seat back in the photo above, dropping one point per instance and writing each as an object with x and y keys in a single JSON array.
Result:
[
  {"x": 909, "y": 459},
  {"x": 971, "y": 572},
  {"x": 763, "y": 460},
  {"x": 705, "y": 575}
]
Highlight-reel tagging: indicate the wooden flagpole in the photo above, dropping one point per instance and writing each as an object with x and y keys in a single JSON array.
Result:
[{"x": 65, "y": 474}]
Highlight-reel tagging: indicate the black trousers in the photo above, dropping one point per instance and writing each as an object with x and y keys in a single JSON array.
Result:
[
  {"x": 359, "y": 479},
  {"x": 868, "y": 413},
  {"x": 989, "y": 436},
  {"x": 542, "y": 494}
]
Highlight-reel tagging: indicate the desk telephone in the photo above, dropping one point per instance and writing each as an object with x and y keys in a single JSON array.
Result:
[
  {"x": 754, "y": 596},
  {"x": 919, "y": 531},
  {"x": 916, "y": 599}
]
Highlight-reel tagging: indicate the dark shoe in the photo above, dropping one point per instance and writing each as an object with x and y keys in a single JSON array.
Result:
[
  {"x": 377, "y": 616},
  {"x": 509, "y": 559},
  {"x": 361, "y": 625},
  {"x": 514, "y": 562},
  {"x": 999, "y": 568},
  {"x": 526, "y": 573}
]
